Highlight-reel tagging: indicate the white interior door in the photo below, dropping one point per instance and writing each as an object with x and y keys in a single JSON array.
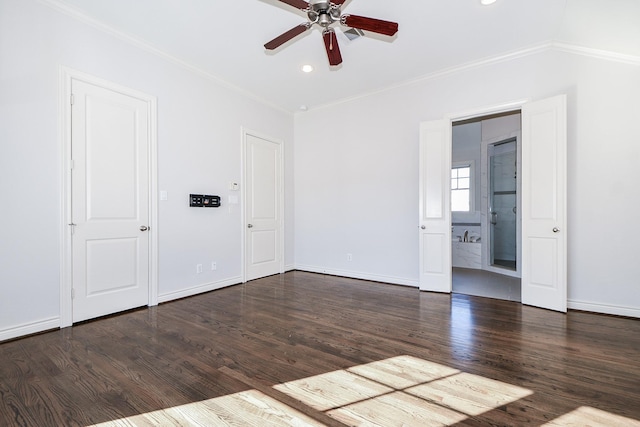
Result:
[
  {"x": 110, "y": 136},
  {"x": 544, "y": 217},
  {"x": 435, "y": 210},
  {"x": 263, "y": 207}
]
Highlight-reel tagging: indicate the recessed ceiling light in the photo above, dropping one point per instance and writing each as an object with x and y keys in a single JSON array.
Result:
[
  {"x": 307, "y": 68},
  {"x": 487, "y": 2},
  {"x": 303, "y": 107}
]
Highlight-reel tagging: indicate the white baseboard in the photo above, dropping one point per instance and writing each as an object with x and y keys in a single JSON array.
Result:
[
  {"x": 359, "y": 275},
  {"x": 29, "y": 328},
  {"x": 207, "y": 287},
  {"x": 595, "y": 307},
  {"x": 289, "y": 267}
]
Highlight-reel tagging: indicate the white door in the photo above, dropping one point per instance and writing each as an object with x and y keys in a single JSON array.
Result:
[
  {"x": 435, "y": 210},
  {"x": 110, "y": 139},
  {"x": 544, "y": 229},
  {"x": 263, "y": 207}
]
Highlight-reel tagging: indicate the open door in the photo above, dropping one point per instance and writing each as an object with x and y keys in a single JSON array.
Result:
[
  {"x": 435, "y": 211},
  {"x": 544, "y": 213}
]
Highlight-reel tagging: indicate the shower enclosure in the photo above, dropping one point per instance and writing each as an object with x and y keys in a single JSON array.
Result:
[
  {"x": 503, "y": 204},
  {"x": 501, "y": 199}
]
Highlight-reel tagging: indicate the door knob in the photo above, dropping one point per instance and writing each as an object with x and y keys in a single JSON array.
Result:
[
  {"x": 556, "y": 229},
  {"x": 250, "y": 226},
  {"x": 423, "y": 227},
  {"x": 143, "y": 228}
]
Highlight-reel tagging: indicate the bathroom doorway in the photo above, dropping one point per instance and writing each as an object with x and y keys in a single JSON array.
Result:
[{"x": 485, "y": 200}]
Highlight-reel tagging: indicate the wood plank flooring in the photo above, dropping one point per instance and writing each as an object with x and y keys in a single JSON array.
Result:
[{"x": 303, "y": 349}]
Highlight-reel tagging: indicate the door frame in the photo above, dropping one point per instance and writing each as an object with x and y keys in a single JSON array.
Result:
[
  {"x": 243, "y": 194},
  {"x": 558, "y": 104},
  {"x": 66, "y": 76},
  {"x": 446, "y": 142}
]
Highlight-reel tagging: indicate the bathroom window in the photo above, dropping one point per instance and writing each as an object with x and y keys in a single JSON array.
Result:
[{"x": 461, "y": 188}]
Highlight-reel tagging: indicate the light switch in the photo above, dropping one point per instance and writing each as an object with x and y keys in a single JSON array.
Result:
[
  {"x": 234, "y": 186},
  {"x": 163, "y": 195}
]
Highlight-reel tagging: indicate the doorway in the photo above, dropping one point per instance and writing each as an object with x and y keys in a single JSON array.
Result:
[
  {"x": 485, "y": 206},
  {"x": 543, "y": 209},
  {"x": 109, "y": 163},
  {"x": 263, "y": 207}
]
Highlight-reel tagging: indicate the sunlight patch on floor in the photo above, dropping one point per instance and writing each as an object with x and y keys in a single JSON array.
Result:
[
  {"x": 400, "y": 391},
  {"x": 247, "y": 408},
  {"x": 592, "y": 417},
  {"x": 333, "y": 390},
  {"x": 403, "y": 371},
  {"x": 469, "y": 394}
]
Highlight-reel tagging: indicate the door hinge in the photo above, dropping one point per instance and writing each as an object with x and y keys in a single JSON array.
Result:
[
  {"x": 73, "y": 293},
  {"x": 73, "y": 227},
  {"x": 72, "y": 164},
  {"x": 72, "y": 99}
]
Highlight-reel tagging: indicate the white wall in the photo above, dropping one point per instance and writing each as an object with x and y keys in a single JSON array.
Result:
[
  {"x": 356, "y": 166},
  {"x": 199, "y": 150},
  {"x": 357, "y": 187}
]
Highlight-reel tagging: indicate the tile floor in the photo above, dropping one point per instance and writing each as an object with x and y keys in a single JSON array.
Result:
[{"x": 486, "y": 284}]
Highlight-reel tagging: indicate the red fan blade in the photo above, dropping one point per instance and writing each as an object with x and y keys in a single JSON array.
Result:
[
  {"x": 370, "y": 24},
  {"x": 338, "y": 2},
  {"x": 285, "y": 37},
  {"x": 300, "y": 4},
  {"x": 333, "y": 50}
]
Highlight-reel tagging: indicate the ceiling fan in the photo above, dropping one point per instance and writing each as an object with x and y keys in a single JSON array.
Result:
[{"x": 325, "y": 13}]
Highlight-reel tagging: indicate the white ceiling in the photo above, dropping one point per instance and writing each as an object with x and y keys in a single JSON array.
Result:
[{"x": 225, "y": 39}]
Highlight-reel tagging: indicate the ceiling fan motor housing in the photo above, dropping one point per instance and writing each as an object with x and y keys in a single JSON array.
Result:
[{"x": 323, "y": 13}]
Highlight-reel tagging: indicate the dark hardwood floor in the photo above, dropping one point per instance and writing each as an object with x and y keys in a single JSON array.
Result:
[{"x": 286, "y": 328}]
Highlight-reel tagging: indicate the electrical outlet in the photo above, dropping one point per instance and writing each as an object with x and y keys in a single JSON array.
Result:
[
  {"x": 214, "y": 265},
  {"x": 199, "y": 268},
  {"x": 349, "y": 257}
]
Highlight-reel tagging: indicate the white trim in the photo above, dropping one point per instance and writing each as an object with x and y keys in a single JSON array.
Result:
[
  {"x": 359, "y": 275},
  {"x": 243, "y": 218},
  {"x": 154, "y": 253},
  {"x": 244, "y": 132},
  {"x": 533, "y": 50},
  {"x": 195, "y": 290},
  {"x": 66, "y": 77},
  {"x": 605, "y": 55},
  {"x": 29, "y": 328},
  {"x": 141, "y": 44},
  {"x": 547, "y": 46},
  {"x": 595, "y": 307},
  {"x": 64, "y": 121},
  {"x": 488, "y": 110}
]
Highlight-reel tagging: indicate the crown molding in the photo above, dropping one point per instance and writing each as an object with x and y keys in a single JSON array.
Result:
[
  {"x": 484, "y": 62},
  {"x": 487, "y": 61},
  {"x": 143, "y": 45},
  {"x": 601, "y": 54},
  {"x": 547, "y": 46}
]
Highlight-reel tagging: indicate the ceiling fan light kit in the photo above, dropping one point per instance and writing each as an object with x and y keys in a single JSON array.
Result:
[{"x": 325, "y": 13}]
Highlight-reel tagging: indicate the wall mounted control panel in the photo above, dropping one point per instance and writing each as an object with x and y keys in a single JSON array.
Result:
[{"x": 204, "y": 201}]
